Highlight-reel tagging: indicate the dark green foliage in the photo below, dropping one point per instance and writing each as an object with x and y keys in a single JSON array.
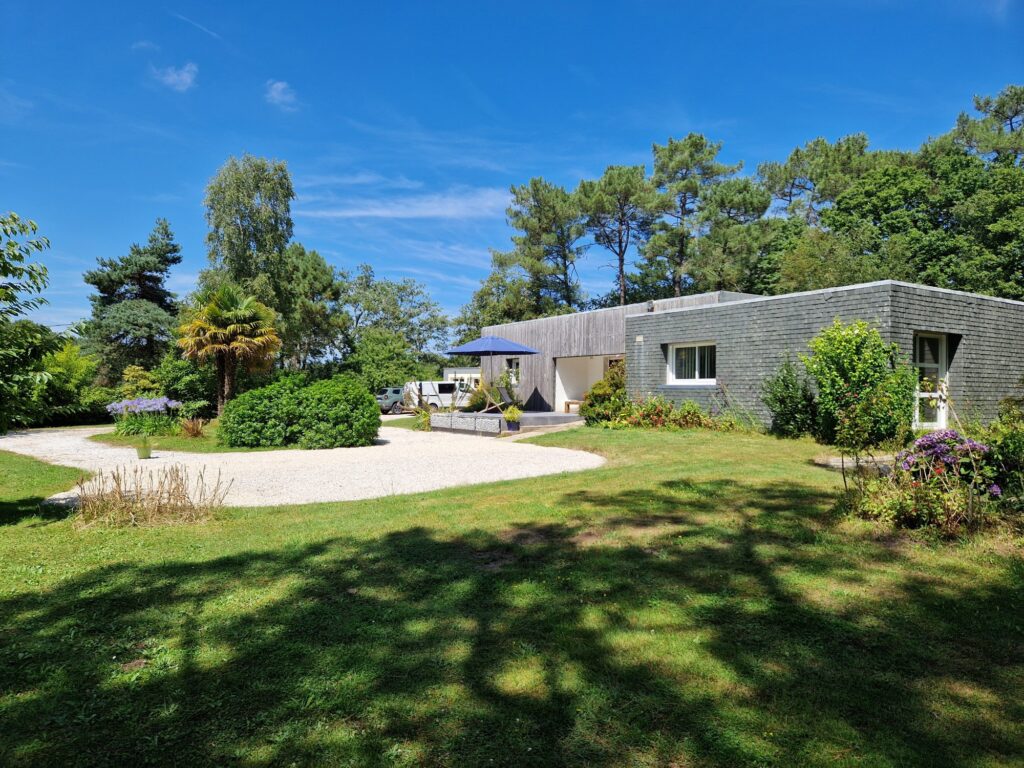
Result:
[
  {"x": 133, "y": 313},
  {"x": 790, "y": 400},
  {"x": 383, "y": 358},
  {"x": 188, "y": 382},
  {"x": 865, "y": 387},
  {"x": 65, "y": 395},
  {"x": 337, "y": 413},
  {"x": 325, "y": 414},
  {"x": 606, "y": 399},
  {"x": 24, "y": 346},
  {"x": 264, "y": 417}
]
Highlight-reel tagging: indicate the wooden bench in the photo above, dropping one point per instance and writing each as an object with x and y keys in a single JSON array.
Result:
[{"x": 569, "y": 403}]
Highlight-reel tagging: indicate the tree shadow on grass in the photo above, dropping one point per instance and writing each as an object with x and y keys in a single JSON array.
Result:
[
  {"x": 697, "y": 645},
  {"x": 14, "y": 511}
]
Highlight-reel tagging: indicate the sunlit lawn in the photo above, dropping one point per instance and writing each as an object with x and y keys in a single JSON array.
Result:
[{"x": 693, "y": 603}]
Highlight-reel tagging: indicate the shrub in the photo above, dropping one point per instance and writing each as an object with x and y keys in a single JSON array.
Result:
[
  {"x": 606, "y": 400},
  {"x": 946, "y": 481},
  {"x": 337, "y": 413},
  {"x": 140, "y": 497},
  {"x": 137, "y": 382},
  {"x": 478, "y": 399},
  {"x": 852, "y": 363},
  {"x": 188, "y": 382},
  {"x": 145, "y": 416},
  {"x": 422, "y": 422},
  {"x": 791, "y": 402},
  {"x": 265, "y": 417},
  {"x": 193, "y": 428}
]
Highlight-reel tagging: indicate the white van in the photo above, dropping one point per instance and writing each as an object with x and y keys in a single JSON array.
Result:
[{"x": 437, "y": 394}]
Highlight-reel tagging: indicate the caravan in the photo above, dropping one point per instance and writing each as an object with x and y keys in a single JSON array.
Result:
[{"x": 437, "y": 394}]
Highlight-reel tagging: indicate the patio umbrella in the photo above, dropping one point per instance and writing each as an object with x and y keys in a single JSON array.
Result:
[{"x": 486, "y": 346}]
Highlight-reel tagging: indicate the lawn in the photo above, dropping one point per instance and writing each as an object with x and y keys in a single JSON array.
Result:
[{"x": 696, "y": 602}]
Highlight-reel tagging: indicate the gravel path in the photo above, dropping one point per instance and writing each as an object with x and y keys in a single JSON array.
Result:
[{"x": 403, "y": 461}]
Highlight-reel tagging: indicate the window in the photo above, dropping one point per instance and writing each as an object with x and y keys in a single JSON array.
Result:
[
  {"x": 691, "y": 364},
  {"x": 512, "y": 366},
  {"x": 446, "y": 388},
  {"x": 932, "y": 375}
]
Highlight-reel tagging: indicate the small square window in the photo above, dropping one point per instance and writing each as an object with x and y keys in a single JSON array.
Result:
[{"x": 693, "y": 364}]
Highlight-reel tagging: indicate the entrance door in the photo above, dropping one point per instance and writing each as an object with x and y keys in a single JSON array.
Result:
[{"x": 930, "y": 359}]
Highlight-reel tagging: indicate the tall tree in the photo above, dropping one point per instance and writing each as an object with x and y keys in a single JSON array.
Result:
[
  {"x": 999, "y": 131},
  {"x": 232, "y": 329},
  {"x": 248, "y": 210},
  {"x": 20, "y": 278},
  {"x": 620, "y": 210},
  {"x": 313, "y": 318},
  {"x": 402, "y": 307},
  {"x": 551, "y": 227},
  {"x": 503, "y": 297},
  {"x": 23, "y": 344},
  {"x": 132, "y": 309},
  {"x": 737, "y": 240},
  {"x": 684, "y": 171}
]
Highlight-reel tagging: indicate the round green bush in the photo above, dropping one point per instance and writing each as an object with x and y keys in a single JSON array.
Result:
[
  {"x": 337, "y": 413},
  {"x": 332, "y": 413},
  {"x": 264, "y": 418}
]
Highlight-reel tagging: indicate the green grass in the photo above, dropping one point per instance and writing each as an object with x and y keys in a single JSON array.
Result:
[
  {"x": 696, "y": 602},
  {"x": 24, "y": 483},
  {"x": 406, "y": 422}
]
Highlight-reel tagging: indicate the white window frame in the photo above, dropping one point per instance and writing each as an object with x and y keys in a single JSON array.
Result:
[
  {"x": 942, "y": 376},
  {"x": 671, "y": 365}
]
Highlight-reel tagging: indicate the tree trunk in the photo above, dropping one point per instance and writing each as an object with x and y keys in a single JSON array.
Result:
[
  {"x": 622, "y": 279},
  {"x": 230, "y": 371},
  {"x": 219, "y": 363}
]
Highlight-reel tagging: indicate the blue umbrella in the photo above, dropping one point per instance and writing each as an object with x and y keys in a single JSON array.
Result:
[{"x": 492, "y": 345}]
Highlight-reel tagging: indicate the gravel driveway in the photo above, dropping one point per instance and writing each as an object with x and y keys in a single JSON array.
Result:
[{"x": 403, "y": 461}]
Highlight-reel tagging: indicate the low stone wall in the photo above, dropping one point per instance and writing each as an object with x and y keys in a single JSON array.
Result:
[{"x": 467, "y": 423}]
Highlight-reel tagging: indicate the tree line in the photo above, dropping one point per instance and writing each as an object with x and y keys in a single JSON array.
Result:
[
  {"x": 264, "y": 302},
  {"x": 949, "y": 214}
]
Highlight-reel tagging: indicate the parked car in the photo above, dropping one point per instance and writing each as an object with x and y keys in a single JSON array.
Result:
[
  {"x": 437, "y": 394},
  {"x": 390, "y": 399}
]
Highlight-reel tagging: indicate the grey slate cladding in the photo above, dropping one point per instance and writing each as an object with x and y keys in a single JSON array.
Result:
[
  {"x": 754, "y": 337},
  {"x": 754, "y": 334}
]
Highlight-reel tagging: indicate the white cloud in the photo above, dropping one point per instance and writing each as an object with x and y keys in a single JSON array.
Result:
[
  {"x": 178, "y": 79},
  {"x": 478, "y": 203},
  {"x": 281, "y": 95},
  {"x": 356, "y": 179}
]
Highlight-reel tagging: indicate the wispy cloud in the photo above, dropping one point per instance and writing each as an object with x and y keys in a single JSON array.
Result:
[
  {"x": 145, "y": 45},
  {"x": 281, "y": 95},
  {"x": 197, "y": 25},
  {"x": 178, "y": 79},
  {"x": 357, "y": 179},
  {"x": 457, "y": 203},
  {"x": 437, "y": 276}
]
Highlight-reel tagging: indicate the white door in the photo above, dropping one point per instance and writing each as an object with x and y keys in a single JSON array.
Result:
[{"x": 930, "y": 359}]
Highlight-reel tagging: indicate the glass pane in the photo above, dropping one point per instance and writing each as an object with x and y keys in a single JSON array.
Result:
[
  {"x": 928, "y": 350},
  {"x": 928, "y": 411},
  {"x": 928, "y": 378},
  {"x": 686, "y": 363},
  {"x": 706, "y": 362}
]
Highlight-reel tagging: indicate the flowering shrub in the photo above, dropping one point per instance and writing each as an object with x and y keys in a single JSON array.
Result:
[
  {"x": 946, "y": 480},
  {"x": 145, "y": 416}
]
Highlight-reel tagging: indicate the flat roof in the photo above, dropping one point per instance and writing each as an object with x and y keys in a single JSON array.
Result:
[{"x": 837, "y": 289}]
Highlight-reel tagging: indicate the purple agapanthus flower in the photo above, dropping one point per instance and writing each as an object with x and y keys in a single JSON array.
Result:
[
  {"x": 995, "y": 490},
  {"x": 143, "y": 405}
]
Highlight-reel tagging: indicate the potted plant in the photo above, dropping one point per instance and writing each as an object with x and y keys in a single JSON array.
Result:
[
  {"x": 512, "y": 417},
  {"x": 144, "y": 449}
]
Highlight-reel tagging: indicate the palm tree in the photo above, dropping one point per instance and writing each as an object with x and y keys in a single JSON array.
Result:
[{"x": 233, "y": 330}]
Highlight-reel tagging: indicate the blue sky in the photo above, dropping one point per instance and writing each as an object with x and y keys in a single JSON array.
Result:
[{"x": 404, "y": 123}]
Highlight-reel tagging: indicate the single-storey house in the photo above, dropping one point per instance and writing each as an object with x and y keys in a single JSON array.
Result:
[{"x": 718, "y": 348}]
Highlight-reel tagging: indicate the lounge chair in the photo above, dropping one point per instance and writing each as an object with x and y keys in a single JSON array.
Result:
[{"x": 505, "y": 400}]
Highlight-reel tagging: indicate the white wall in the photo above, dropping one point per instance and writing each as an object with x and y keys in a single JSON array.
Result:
[{"x": 574, "y": 376}]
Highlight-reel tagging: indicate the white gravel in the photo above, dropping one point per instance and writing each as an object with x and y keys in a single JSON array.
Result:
[{"x": 402, "y": 461}]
